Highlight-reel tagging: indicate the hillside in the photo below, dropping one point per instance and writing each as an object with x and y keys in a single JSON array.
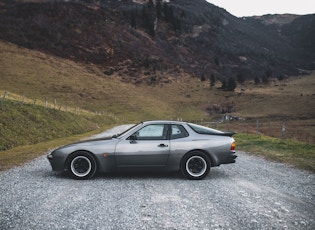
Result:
[
  {"x": 30, "y": 76},
  {"x": 26, "y": 124},
  {"x": 33, "y": 74},
  {"x": 298, "y": 31},
  {"x": 94, "y": 57},
  {"x": 161, "y": 42}
]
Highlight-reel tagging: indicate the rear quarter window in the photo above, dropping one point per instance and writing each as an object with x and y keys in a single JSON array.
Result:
[
  {"x": 204, "y": 130},
  {"x": 178, "y": 131}
]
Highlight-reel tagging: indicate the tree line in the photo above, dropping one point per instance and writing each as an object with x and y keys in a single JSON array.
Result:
[
  {"x": 148, "y": 15},
  {"x": 231, "y": 83}
]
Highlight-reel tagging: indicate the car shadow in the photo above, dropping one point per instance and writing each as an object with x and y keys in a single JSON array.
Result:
[
  {"x": 215, "y": 174},
  {"x": 140, "y": 175}
]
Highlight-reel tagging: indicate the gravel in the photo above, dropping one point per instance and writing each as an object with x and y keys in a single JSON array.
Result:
[{"x": 251, "y": 194}]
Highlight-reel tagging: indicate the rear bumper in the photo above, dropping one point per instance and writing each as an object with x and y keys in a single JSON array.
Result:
[{"x": 229, "y": 158}]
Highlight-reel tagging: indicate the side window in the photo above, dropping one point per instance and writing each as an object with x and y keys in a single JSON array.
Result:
[
  {"x": 152, "y": 132},
  {"x": 178, "y": 131}
]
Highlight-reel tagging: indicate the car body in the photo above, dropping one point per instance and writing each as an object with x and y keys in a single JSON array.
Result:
[{"x": 149, "y": 145}]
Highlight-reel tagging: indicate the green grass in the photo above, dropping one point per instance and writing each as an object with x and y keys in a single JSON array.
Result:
[
  {"x": 22, "y": 154},
  {"x": 29, "y": 130},
  {"x": 38, "y": 76},
  {"x": 31, "y": 124},
  {"x": 298, "y": 154}
]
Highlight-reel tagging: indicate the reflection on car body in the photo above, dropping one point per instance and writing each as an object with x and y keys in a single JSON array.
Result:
[{"x": 147, "y": 146}]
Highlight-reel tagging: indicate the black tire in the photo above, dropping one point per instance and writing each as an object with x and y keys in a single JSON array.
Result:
[
  {"x": 195, "y": 165},
  {"x": 82, "y": 165}
]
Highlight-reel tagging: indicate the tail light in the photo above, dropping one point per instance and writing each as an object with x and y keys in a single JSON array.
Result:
[{"x": 233, "y": 145}]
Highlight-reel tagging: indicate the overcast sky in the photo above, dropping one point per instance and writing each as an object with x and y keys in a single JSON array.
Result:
[{"x": 241, "y": 8}]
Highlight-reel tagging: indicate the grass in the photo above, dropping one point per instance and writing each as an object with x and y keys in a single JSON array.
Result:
[
  {"x": 31, "y": 124},
  {"x": 22, "y": 154},
  {"x": 298, "y": 154},
  {"x": 85, "y": 86},
  {"x": 30, "y": 130}
]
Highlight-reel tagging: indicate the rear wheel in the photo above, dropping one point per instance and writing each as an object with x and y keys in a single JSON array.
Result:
[
  {"x": 195, "y": 165},
  {"x": 82, "y": 165}
]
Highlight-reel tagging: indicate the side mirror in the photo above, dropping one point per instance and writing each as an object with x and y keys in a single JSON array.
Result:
[{"x": 133, "y": 138}]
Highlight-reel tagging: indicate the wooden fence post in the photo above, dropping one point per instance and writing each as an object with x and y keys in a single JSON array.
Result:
[
  {"x": 283, "y": 130},
  {"x": 4, "y": 95},
  {"x": 22, "y": 103},
  {"x": 257, "y": 126}
]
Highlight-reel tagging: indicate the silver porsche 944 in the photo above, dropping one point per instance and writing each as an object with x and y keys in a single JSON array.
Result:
[{"x": 150, "y": 145}]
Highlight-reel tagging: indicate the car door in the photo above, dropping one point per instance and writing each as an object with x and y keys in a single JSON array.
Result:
[{"x": 149, "y": 146}]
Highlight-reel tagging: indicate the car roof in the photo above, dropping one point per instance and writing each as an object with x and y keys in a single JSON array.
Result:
[{"x": 163, "y": 122}]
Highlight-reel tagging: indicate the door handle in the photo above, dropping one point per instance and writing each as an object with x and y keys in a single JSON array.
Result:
[{"x": 162, "y": 145}]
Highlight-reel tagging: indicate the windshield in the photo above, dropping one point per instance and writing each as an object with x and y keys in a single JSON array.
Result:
[
  {"x": 119, "y": 135},
  {"x": 204, "y": 130}
]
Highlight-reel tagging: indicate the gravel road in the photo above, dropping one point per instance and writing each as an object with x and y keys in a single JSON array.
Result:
[{"x": 250, "y": 194}]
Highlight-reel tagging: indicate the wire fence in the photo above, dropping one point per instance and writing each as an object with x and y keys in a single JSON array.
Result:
[
  {"x": 279, "y": 127},
  {"x": 45, "y": 102},
  {"x": 284, "y": 128}
]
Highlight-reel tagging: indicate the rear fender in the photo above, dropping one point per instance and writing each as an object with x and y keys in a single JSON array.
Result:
[{"x": 211, "y": 157}]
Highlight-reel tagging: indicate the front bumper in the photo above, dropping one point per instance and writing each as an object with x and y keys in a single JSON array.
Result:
[{"x": 56, "y": 161}]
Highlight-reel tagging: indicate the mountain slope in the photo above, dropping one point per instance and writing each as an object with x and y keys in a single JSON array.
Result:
[
  {"x": 151, "y": 43},
  {"x": 39, "y": 76}
]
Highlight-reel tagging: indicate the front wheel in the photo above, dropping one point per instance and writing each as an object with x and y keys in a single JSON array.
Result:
[
  {"x": 195, "y": 165},
  {"x": 82, "y": 165}
]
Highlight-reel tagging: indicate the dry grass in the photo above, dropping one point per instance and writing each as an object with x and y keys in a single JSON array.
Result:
[
  {"x": 299, "y": 154},
  {"x": 22, "y": 154},
  {"x": 293, "y": 97},
  {"x": 37, "y": 75}
]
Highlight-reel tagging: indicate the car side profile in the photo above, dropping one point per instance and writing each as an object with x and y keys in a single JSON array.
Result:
[{"x": 149, "y": 146}]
